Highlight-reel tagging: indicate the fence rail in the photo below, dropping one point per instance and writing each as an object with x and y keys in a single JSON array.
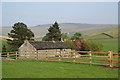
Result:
[{"x": 87, "y": 57}]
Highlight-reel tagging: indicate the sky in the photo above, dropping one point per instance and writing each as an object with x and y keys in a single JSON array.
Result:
[
  {"x": 39, "y": 13},
  {"x": 60, "y": 0}
]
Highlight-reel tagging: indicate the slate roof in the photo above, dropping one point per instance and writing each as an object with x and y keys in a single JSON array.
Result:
[{"x": 39, "y": 45}]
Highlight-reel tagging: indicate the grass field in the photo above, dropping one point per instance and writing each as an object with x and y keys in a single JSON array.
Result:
[
  {"x": 108, "y": 44},
  {"x": 2, "y": 42},
  {"x": 86, "y": 59},
  {"x": 97, "y": 36},
  {"x": 94, "y": 35},
  {"x": 40, "y": 69}
]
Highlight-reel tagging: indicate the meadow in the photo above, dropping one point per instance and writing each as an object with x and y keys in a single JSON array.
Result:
[
  {"x": 108, "y": 44},
  {"x": 42, "y": 69},
  {"x": 4, "y": 42}
]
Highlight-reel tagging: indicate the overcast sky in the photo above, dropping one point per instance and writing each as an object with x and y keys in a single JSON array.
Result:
[{"x": 38, "y": 13}]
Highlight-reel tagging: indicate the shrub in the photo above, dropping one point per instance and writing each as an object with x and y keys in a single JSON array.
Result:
[
  {"x": 70, "y": 42},
  {"x": 4, "y": 48},
  {"x": 92, "y": 46}
]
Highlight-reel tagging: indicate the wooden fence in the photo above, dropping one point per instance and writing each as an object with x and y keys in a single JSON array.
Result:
[{"x": 100, "y": 58}]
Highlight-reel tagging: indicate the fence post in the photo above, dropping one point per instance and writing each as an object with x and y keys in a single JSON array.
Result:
[
  {"x": 16, "y": 55},
  {"x": 46, "y": 55},
  {"x": 90, "y": 54},
  {"x": 37, "y": 55},
  {"x": 8, "y": 55},
  {"x": 110, "y": 59},
  {"x": 73, "y": 57},
  {"x": 24, "y": 55},
  {"x": 60, "y": 56}
]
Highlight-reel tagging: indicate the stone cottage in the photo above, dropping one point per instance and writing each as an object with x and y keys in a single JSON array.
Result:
[{"x": 42, "y": 49}]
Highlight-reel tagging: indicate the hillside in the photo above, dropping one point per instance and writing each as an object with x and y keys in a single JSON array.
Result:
[
  {"x": 70, "y": 28},
  {"x": 99, "y": 35},
  {"x": 89, "y": 31}
]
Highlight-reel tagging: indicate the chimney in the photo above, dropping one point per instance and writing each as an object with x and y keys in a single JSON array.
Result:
[
  {"x": 25, "y": 41},
  {"x": 53, "y": 40},
  {"x": 62, "y": 40}
]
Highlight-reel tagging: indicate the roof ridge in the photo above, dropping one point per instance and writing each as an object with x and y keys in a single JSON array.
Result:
[{"x": 49, "y": 45}]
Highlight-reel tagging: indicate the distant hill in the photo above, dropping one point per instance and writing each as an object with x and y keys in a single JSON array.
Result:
[
  {"x": 41, "y": 30},
  {"x": 113, "y": 32}
]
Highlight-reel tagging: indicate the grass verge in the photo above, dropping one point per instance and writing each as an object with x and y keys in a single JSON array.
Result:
[{"x": 42, "y": 69}]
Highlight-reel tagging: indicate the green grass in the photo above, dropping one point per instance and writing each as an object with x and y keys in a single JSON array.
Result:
[
  {"x": 108, "y": 44},
  {"x": 97, "y": 36},
  {"x": 94, "y": 35},
  {"x": 84, "y": 59},
  {"x": 2, "y": 42},
  {"x": 8, "y": 47},
  {"x": 41, "y": 69}
]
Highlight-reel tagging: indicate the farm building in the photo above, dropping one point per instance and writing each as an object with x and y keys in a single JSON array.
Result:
[{"x": 31, "y": 49}]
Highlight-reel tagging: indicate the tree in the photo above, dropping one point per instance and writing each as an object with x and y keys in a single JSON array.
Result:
[
  {"x": 54, "y": 33},
  {"x": 19, "y": 33},
  {"x": 64, "y": 37},
  {"x": 4, "y": 49},
  {"x": 118, "y": 50},
  {"x": 77, "y": 36}
]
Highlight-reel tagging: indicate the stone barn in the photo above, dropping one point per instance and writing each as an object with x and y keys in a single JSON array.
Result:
[{"x": 41, "y": 49}]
